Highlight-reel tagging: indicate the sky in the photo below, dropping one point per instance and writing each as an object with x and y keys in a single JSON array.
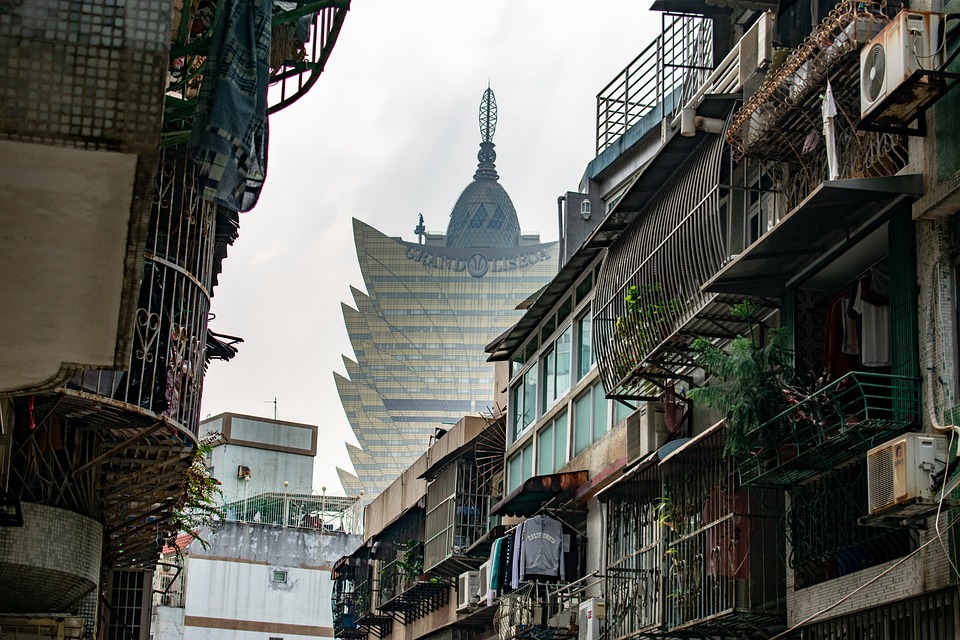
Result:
[{"x": 391, "y": 130}]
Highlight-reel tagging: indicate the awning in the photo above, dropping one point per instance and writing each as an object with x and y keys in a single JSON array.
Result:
[
  {"x": 528, "y": 498},
  {"x": 833, "y": 218},
  {"x": 692, "y": 443}
]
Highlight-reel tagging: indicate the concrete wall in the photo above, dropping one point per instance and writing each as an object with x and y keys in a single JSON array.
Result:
[
  {"x": 231, "y": 591},
  {"x": 269, "y": 470}
]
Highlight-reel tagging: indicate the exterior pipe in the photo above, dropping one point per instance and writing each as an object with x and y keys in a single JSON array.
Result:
[{"x": 561, "y": 253}]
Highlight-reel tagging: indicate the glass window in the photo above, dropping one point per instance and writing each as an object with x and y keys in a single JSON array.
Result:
[
  {"x": 563, "y": 362},
  {"x": 584, "y": 288},
  {"x": 529, "y": 397},
  {"x": 560, "y": 441},
  {"x": 599, "y": 412},
  {"x": 582, "y": 425},
  {"x": 620, "y": 411},
  {"x": 545, "y": 462},
  {"x": 517, "y": 408},
  {"x": 549, "y": 361},
  {"x": 552, "y": 446},
  {"x": 526, "y": 465},
  {"x": 514, "y": 477},
  {"x": 564, "y": 311},
  {"x": 585, "y": 352}
]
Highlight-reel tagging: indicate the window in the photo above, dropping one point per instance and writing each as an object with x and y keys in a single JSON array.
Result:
[
  {"x": 584, "y": 350},
  {"x": 552, "y": 446},
  {"x": 621, "y": 411},
  {"x": 589, "y": 418},
  {"x": 556, "y": 369},
  {"x": 520, "y": 467},
  {"x": 524, "y": 402},
  {"x": 280, "y": 576}
]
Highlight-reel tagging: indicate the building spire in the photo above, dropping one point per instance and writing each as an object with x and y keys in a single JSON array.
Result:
[{"x": 486, "y": 157}]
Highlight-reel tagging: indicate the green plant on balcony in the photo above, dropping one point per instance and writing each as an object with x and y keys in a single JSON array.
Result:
[
  {"x": 647, "y": 319},
  {"x": 197, "y": 508},
  {"x": 749, "y": 378},
  {"x": 409, "y": 562}
]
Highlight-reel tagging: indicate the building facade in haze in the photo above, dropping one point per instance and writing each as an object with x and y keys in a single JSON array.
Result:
[{"x": 429, "y": 308}]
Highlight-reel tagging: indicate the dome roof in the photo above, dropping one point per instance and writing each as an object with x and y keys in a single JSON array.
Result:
[{"x": 484, "y": 216}]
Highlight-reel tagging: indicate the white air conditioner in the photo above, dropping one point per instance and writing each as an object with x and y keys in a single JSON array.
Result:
[
  {"x": 483, "y": 583},
  {"x": 899, "y": 471},
  {"x": 467, "y": 586},
  {"x": 911, "y": 42},
  {"x": 591, "y": 612},
  {"x": 646, "y": 430}
]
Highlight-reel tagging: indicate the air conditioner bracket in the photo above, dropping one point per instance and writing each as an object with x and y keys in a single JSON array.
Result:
[
  {"x": 912, "y": 514},
  {"x": 919, "y": 92}
]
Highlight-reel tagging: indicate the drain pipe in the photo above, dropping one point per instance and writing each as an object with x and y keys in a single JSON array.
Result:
[
  {"x": 690, "y": 123},
  {"x": 562, "y": 252}
]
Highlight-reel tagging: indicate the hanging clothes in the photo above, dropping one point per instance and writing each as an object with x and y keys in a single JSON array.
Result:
[
  {"x": 515, "y": 561},
  {"x": 541, "y": 551},
  {"x": 872, "y": 303},
  {"x": 837, "y": 359},
  {"x": 496, "y": 570}
]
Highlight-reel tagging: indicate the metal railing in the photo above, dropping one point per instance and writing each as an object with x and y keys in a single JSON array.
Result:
[
  {"x": 456, "y": 514},
  {"x": 659, "y": 80},
  {"x": 834, "y": 423},
  {"x": 302, "y": 34},
  {"x": 401, "y": 573},
  {"x": 803, "y": 73},
  {"x": 165, "y": 374},
  {"x": 538, "y": 610},
  {"x": 333, "y": 514}
]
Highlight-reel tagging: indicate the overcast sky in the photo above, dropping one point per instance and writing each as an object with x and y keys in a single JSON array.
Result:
[{"x": 389, "y": 131}]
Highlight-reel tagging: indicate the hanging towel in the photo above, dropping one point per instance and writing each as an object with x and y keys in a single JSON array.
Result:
[{"x": 229, "y": 138}]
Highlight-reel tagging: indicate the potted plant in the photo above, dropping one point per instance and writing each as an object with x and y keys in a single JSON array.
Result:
[{"x": 749, "y": 379}]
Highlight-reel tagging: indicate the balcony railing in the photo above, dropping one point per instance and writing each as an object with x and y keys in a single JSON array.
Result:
[
  {"x": 539, "y": 611},
  {"x": 455, "y": 519},
  {"x": 405, "y": 591},
  {"x": 303, "y": 34},
  {"x": 332, "y": 514},
  {"x": 832, "y": 424},
  {"x": 723, "y": 553},
  {"x": 775, "y": 124},
  {"x": 659, "y": 80},
  {"x": 165, "y": 375}
]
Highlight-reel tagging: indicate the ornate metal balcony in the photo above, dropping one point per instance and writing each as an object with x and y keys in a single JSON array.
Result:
[
  {"x": 303, "y": 35},
  {"x": 123, "y": 439},
  {"x": 650, "y": 302},
  {"x": 833, "y": 424},
  {"x": 781, "y": 121}
]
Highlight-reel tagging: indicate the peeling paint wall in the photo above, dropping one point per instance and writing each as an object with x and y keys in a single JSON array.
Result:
[{"x": 260, "y": 581}]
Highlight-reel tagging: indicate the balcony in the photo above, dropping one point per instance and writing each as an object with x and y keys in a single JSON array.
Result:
[
  {"x": 656, "y": 83},
  {"x": 345, "y": 574},
  {"x": 406, "y": 592},
  {"x": 833, "y": 424},
  {"x": 367, "y": 617},
  {"x": 723, "y": 554},
  {"x": 539, "y": 611},
  {"x": 303, "y": 34},
  {"x": 775, "y": 123},
  {"x": 456, "y": 518}
]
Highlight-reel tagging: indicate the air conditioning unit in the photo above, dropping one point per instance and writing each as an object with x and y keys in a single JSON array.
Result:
[
  {"x": 591, "y": 612},
  {"x": 243, "y": 473},
  {"x": 899, "y": 471},
  {"x": 483, "y": 583},
  {"x": 646, "y": 430},
  {"x": 468, "y": 584},
  {"x": 911, "y": 42}
]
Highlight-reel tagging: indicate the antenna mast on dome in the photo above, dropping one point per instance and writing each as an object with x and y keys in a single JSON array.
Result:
[{"x": 486, "y": 157}]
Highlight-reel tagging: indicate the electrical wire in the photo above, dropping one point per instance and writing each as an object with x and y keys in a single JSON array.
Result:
[{"x": 810, "y": 618}]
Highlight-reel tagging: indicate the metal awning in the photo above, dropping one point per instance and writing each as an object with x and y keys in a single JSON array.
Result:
[
  {"x": 528, "y": 498},
  {"x": 834, "y": 217},
  {"x": 692, "y": 443}
]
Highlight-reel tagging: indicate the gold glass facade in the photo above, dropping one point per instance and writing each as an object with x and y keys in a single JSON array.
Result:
[{"x": 418, "y": 336}]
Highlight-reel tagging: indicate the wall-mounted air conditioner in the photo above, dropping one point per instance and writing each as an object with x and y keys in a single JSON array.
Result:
[
  {"x": 911, "y": 42},
  {"x": 243, "y": 473},
  {"x": 646, "y": 430},
  {"x": 899, "y": 471},
  {"x": 483, "y": 583},
  {"x": 591, "y": 612},
  {"x": 467, "y": 586}
]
